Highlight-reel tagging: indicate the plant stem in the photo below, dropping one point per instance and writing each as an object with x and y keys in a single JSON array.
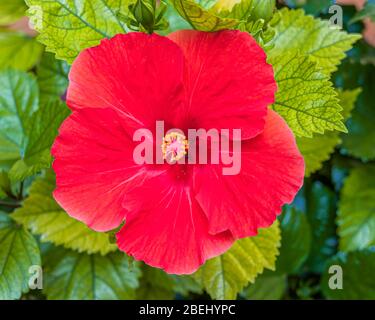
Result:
[
  {"x": 10, "y": 204},
  {"x": 20, "y": 194}
]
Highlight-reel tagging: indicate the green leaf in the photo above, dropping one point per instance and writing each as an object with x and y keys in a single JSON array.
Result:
[
  {"x": 356, "y": 215},
  {"x": 225, "y": 276},
  {"x": 18, "y": 101},
  {"x": 305, "y": 97},
  {"x": 11, "y": 11},
  {"x": 18, "y": 252},
  {"x": 155, "y": 284},
  {"x": 319, "y": 148},
  {"x": 360, "y": 140},
  {"x": 73, "y": 276},
  {"x": 295, "y": 241},
  {"x": 324, "y": 43},
  {"x": 321, "y": 214},
  {"x": 41, "y": 132},
  {"x": 46, "y": 218},
  {"x": 358, "y": 276},
  {"x": 200, "y": 18},
  {"x": 175, "y": 21},
  {"x": 367, "y": 12},
  {"x": 263, "y": 9},
  {"x": 67, "y": 27},
  {"x": 5, "y": 185},
  {"x": 185, "y": 285},
  {"x": 311, "y": 6},
  {"x": 266, "y": 287},
  {"x": 52, "y": 77},
  {"x": 18, "y": 51}
]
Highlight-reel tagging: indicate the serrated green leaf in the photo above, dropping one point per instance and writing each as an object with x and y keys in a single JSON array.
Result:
[
  {"x": 318, "y": 149},
  {"x": 41, "y": 131},
  {"x": 305, "y": 97},
  {"x": 245, "y": 10},
  {"x": 235, "y": 9},
  {"x": 324, "y": 43},
  {"x": 70, "y": 275},
  {"x": 18, "y": 252},
  {"x": 67, "y": 27},
  {"x": 18, "y": 51},
  {"x": 356, "y": 215},
  {"x": 18, "y": 101},
  {"x": 358, "y": 276},
  {"x": 266, "y": 287},
  {"x": 52, "y": 76},
  {"x": 11, "y": 11},
  {"x": 46, "y": 218},
  {"x": 321, "y": 214},
  {"x": 175, "y": 21},
  {"x": 200, "y": 18},
  {"x": 295, "y": 241},
  {"x": 225, "y": 276}
]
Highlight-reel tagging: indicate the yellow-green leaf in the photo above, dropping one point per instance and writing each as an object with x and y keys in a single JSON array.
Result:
[
  {"x": 225, "y": 276},
  {"x": 201, "y": 18},
  {"x": 67, "y": 27},
  {"x": 19, "y": 51},
  {"x": 318, "y": 149},
  {"x": 305, "y": 98},
  {"x": 45, "y": 217},
  {"x": 323, "y": 42}
]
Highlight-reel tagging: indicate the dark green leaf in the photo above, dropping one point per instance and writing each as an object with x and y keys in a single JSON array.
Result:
[
  {"x": 52, "y": 77},
  {"x": 358, "y": 275},
  {"x": 73, "y": 276},
  {"x": 18, "y": 252},
  {"x": 41, "y": 131},
  {"x": 321, "y": 214},
  {"x": 356, "y": 216},
  {"x": 295, "y": 241},
  {"x": 267, "y": 286},
  {"x": 18, "y": 101}
]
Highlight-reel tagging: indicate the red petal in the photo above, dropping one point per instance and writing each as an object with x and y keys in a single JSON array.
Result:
[
  {"x": 228, "y": 82},
  {"x": 166, "y": 228},
  {"x": 271, "y": 174},
  {"x": 93, "y": 166},
  {"x": 138, "y": 75}
]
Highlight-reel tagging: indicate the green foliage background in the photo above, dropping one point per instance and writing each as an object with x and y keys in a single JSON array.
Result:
[{"x": 326, "y": 79}]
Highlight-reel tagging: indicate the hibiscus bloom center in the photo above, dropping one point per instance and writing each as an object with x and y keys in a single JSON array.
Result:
[{"x": 174, "y": 146}]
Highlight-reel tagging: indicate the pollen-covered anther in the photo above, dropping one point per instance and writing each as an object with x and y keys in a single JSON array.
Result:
[{"x": 174, "y": 146}]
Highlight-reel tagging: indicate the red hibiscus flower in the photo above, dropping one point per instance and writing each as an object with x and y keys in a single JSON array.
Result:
[{"x": 176, "y": 215}]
